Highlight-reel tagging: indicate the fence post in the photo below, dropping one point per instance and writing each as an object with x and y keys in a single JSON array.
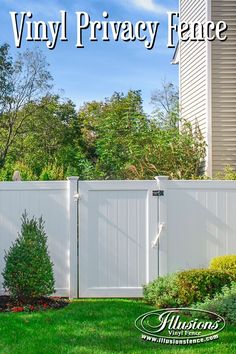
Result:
[
  {"x": 162, "y": 182},
  {"x": 73, "y": 234}
]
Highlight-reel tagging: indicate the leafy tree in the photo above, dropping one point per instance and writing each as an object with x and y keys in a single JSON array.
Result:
[
  {"x": 44, "y": 137},
  {"x": 166, "y": 105},
  {"x": 118, "y": 133},
  {"x": 105, "y": 127},
  {"x": 127, "y": 144},
  {"x": 47, "y": 132},
  {"x": 173, "y": 152},
  {"x": 49, "y": 147},
  {"x": 90, "y": 116},
  {"x": 6, "y": 72},
  {"x": 22, "y": 81}
]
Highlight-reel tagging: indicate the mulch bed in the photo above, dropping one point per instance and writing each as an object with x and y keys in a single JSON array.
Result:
[{"x": 44, "y": 303}]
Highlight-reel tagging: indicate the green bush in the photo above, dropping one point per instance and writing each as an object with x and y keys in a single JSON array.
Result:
[
  {"x": 224, "y": 263},
  {"x": 223, "y": 303},
  {"x": 229, "y": 174},
  {"x": 197, "y": 284},
  {"x": 186, "y": 288},
  {"x": 52, "y": 173},
  {"x": 162, "y": 292},
  {"x": 28, "y": 271}
]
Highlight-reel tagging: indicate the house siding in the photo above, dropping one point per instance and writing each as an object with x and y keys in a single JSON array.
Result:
[
  {"x": 224, "y": 88},
  {"x": 193, "y": 71}
]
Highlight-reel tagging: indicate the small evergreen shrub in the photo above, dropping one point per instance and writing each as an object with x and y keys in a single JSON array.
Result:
[
  {"x": 223, "y": 303},
  {"x": 197, "y": 284},
  {"x": 163, "y": 291},
  {"x": 224, "y": 263},
  {"x": 28, "y": 271}
]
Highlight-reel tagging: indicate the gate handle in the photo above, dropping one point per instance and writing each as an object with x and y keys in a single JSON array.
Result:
[{"x": 155, "y": 242}]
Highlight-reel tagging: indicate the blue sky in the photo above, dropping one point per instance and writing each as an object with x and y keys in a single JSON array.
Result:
[{"x": 99, "y": 69}]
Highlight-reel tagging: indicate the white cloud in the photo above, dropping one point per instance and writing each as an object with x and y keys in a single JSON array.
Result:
[
  {"x": 148, "y": 5},
  {"x": 45, "y": 8}
]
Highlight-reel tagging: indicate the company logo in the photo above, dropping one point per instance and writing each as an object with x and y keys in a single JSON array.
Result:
[{"x": 180, "y": 326}]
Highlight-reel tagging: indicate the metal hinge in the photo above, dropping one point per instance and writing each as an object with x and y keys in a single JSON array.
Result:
[
  {"x": 158, "y": 193},
  {"x": 76, "y": 197}
]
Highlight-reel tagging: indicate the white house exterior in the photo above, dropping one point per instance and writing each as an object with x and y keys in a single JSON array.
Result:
[{"x": 208, "y": 81}]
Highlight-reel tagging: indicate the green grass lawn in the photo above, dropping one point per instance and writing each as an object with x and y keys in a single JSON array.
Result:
[{"x": 92, "y": 326}]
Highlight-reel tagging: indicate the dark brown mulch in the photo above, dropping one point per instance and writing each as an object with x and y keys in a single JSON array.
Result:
[{"x": 8, "y": 304}]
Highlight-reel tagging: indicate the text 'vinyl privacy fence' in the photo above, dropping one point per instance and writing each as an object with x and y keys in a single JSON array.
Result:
[{"x": 109, "y": 238}]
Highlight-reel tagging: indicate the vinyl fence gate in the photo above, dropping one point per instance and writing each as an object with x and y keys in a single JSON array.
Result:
[{"x": 118, "y": 221}]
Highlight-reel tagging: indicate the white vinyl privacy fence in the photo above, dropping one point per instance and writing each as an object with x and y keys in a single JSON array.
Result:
[{"x": 108, "y": 238}]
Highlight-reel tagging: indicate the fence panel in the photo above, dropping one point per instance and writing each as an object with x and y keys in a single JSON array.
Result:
[
  {"x": 200, "y": 223},
  {"x": 49, "y": 199}
]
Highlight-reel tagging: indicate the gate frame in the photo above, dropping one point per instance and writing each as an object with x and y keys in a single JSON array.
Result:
[
  {"x": 73, "y": 210},
  {"x": 162, "y": 220},
  {"x": 75, "y": 193}
]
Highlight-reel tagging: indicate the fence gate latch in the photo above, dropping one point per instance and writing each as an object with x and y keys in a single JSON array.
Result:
[{"x": 158, "y": 193}]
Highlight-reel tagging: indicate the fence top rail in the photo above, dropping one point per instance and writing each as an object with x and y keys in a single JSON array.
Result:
[
  {"x": 165, "y": 184},
  {"x": 33, "y": 185},
  {"x": 111, "y": 181},
  {"x": 131, "y": 185},
  {"x": 195, "y": 184}
]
